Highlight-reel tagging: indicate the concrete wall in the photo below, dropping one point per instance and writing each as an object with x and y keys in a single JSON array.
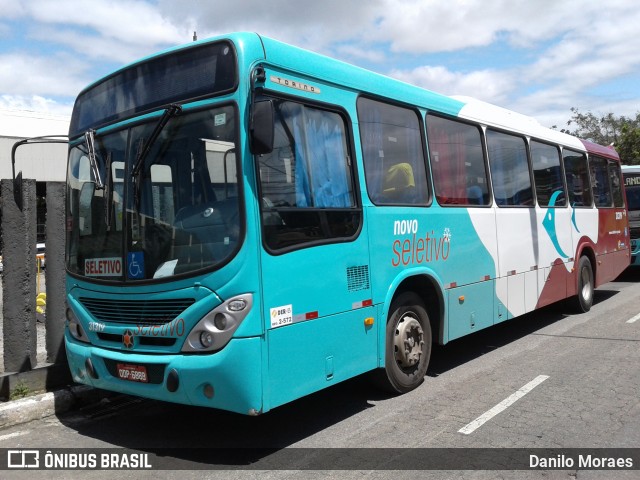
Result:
[
  {"x": 19, "y": 278},
  {"x": 42, "y": 162},
  {"x": 19, "y": 324}
]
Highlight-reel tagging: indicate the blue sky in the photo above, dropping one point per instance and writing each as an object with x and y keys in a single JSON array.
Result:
[{"x": 538, "y": 57}]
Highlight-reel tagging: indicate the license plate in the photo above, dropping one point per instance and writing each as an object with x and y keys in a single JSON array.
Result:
[{"x": 132, "y": 373}]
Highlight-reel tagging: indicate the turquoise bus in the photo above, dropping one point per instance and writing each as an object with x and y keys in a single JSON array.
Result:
[
  {"x": 631, "y": 174},
  {"x": 249, "y": 222}
]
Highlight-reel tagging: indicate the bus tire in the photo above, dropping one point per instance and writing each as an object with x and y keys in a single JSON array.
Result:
[
  {"x": 584, "y": 299},
  {"x": 407, "y": 345}
]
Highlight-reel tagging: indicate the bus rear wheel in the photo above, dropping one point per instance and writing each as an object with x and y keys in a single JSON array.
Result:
[
  {"x": 584, "y": 299},
  {"x": 407, "y": 345}
]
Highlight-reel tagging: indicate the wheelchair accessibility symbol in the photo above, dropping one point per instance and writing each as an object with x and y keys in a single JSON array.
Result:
[{"x": 135, "y": 265}]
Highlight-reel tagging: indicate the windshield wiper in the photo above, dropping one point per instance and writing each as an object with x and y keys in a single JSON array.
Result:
[
  {"x": 171, "y": 111},
  {"x": 89, "y": 138}
]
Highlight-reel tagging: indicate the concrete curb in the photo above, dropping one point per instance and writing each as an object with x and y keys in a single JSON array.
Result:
[{"x": 16, "y": 412}]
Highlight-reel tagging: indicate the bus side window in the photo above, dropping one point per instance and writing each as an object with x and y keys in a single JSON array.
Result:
[
  {"x": 577, "y": 174},
  {"x": 393, "y": 153},
  {"x": 616, "y": 184},
  {"x": 547, "y": 173},
  {"x": 600, "y": 182},
  {"x": 307, "y": 181},
  {"x": 509, "y": 169},
  {"x": 457, "y": 162}
]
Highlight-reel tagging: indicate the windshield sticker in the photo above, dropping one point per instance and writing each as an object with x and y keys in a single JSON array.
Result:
[
  {"x": 220, "y": 119},
  {"x": 135, "y": 265},
  {"x": 281, "y": 316},
  {"x": 166, "y": 269},
  {"x": 103, "y": 267}
]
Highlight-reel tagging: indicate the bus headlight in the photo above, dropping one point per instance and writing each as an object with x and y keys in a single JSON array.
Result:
[
  {"x": 220, "y": 321},
  {"x": 206, "y": 339},
  {"x": 217, "y": 327},
  {"x": 75, "y": 327}
]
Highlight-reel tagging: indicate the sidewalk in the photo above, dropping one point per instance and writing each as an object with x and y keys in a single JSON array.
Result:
[{"x": 36, "y": 407}]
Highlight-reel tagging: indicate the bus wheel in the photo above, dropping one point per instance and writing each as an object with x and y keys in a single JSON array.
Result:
[
  {"x": 584, "y": 299},
  {"x": 408, "y": 345}
]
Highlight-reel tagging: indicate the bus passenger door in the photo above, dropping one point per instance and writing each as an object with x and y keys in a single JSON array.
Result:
[{"x": 314, "y": 257}]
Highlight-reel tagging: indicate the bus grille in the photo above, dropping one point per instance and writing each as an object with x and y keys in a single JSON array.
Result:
[{"x": 140, "y": 312}]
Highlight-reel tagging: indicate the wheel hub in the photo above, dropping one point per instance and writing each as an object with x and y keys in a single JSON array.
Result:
[
  {"x": 408, "y": 341},
  {"x": 586, "y": 284}
]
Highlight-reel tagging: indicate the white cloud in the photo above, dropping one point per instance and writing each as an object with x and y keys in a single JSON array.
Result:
[
  {"x": 25, "y": 74},
  {"x": 35, "y": 103},
  {"x": 95, "y": 48},
  {"x": 487, "y": 85},
  {"x": 565, "y": 49},
  {"x": 316, "y": 25},
  {"x": 11, "y": 8},
  {"x": 359, "y": 53},
  {"x": 127, "y": 21}
]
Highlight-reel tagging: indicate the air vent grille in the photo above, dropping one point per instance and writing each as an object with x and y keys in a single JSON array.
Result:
[{"x": 358, "y": 278}]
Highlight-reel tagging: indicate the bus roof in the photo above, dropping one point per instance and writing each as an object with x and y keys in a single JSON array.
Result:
[
  {"x": 492, "y": 115},
  {"x": 356, "y": 78},
  {"x": 255, "y": 48},
  {"x": 596, "y": 149}
]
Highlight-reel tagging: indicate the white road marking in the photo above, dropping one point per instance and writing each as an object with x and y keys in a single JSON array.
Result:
[
  {"x": 13, "y": 435},
  {"x": 634, "y": 319},
  {"x": 503, "y": 405}
]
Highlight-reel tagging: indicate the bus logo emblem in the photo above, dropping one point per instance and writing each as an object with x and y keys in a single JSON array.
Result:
[{"x": 127, "y": 339}]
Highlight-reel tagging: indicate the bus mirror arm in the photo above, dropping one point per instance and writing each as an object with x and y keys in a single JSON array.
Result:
[{"x": 261, "y": 127}]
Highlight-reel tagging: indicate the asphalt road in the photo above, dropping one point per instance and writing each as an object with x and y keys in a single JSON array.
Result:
[{"x": 546, "y": 380}]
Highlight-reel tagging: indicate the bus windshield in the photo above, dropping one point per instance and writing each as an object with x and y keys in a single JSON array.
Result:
[
  {"x": 177, "y": 213},
  {"x": 632, "y": 184}
]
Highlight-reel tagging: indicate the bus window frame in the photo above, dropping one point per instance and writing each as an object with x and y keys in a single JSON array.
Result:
[
  {"x": 485, "y": 157},
  {"x": 585, "y": 156},
  {"x": 616, "y": 165},
  {"x": 606, "y": 161},
  {"x": 534, "y": 199},
  {"x": 268, "y": 94},
  {"x": 425, "y": 150},
  {"x": 563, "y": 176}
]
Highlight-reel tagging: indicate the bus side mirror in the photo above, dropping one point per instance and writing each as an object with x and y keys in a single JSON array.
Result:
[{"x": 261, "y": 127}]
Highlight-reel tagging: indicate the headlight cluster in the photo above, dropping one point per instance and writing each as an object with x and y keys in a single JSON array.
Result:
[
  {"x": 75, "y": 328},
  {"x": 217, "y": 327}
]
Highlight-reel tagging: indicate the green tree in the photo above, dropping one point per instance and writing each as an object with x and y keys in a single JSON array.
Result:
[
  {"x": 629, "y": 146},
  {"x": 619, "y": 131}
]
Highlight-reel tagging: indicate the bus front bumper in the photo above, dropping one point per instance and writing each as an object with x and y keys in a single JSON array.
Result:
[{"x": 230, "y": 379}]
